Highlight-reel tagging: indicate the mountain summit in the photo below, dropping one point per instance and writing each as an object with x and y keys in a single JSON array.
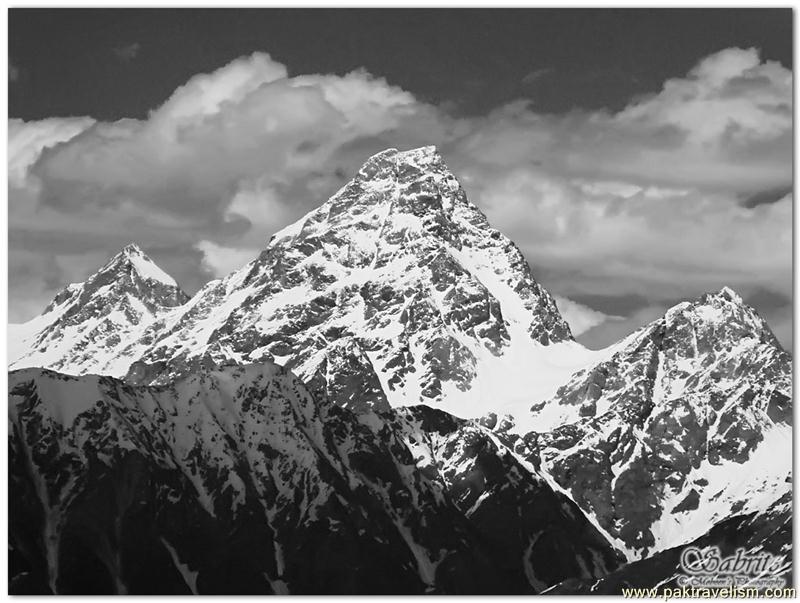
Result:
[
  {"x": 395, "y": 291},
  {"x": 86, "y": 326},
  {"x": 688, "y": 422},
  {"x": 132, "y": 261}
]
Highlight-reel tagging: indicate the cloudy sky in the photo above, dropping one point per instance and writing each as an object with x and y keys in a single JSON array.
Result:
[{"x": 637, "y": 157}]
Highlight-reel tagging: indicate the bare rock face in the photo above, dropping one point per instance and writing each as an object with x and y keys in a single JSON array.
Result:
[
  {"x": 688, "y": 423},
  {"x": 236, "y": 480},
  {"x": 534, "y": 533}
]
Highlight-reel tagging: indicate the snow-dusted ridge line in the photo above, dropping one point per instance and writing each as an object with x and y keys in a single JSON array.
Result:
[{"x": 247, "y": 449}]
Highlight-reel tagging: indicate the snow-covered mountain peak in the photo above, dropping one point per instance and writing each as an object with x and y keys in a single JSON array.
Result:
[
  {"x": 730, "y": 295},
  {"x": 129, "y": 277},
  {"x": 723, "y": 301},
  {"x": 395, "y": 291},
  {"x": 396, "y": 197},
  {"x": 693, "y": 411},
  {"x": 131, "y": 260},
  {"x": 131, "y": 249},
  {"x": 127, "y": 256},
  {"x": 716, "y": 317},
  {"x": 87, "y": 325},
  {"x": 427, "y": 157},
  {"x": 413, "y": 187}
]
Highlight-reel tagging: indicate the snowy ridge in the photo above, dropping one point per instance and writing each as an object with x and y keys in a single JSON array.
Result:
[
  {"x": 685, "y": 425},
  {"x": 506, "y": 499},
  {"x": 245, "y": 458}
]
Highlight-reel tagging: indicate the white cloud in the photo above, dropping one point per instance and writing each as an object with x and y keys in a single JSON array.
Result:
[
  {"x": 657, "y": 247},
  {"x": 228, "y": 158},
  {"x": 27, "y": 141},
  {"x": 205, "y": 94},
  {"x": 728, "y": 97},
  {"x": 726, "y": 126},
  {"x": 644, "y": 202},
  {"x": 221, "y": 261},
  {"x": 580, "y": 318}
]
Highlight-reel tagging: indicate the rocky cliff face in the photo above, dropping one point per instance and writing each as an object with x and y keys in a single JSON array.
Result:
[
  {"x": 237, "y": 481},
  {"x": 763, "y": 532},
  {"x": 516, "y": 511}
]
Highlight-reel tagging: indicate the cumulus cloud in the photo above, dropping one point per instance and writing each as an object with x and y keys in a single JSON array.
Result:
[
  {"x": 684, "y": 190},
  {"x": 726, "y": 126},
  {"x": 602, "y": 243},
  {"x": 729, "y": 98},
  {"x": 27, "y": 141},
  {"x": 230, "y": 157}
]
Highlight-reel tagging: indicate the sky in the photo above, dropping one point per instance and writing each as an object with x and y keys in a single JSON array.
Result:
[{"x": 637, "y": 157}]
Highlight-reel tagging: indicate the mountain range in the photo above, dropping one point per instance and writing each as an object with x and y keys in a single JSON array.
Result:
[{"x": 385, "y": 400}]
